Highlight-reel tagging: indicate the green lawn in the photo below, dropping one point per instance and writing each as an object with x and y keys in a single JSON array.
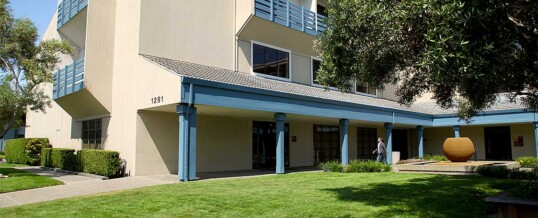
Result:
[
  {"x": 21, "y": 180},
  {"x": 291, "y": 195}
]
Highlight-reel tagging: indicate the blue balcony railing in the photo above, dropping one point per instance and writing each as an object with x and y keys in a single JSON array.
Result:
[
  {"x": 68, "y": 79},
  {"x": 291, "y": 15},
  {"x": 67, "y": 9}
]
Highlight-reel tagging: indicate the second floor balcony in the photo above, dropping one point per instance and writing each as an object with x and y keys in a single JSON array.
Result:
[
  {"x": 67, "y": 9},
  {"x": 68, "y": 79},
  {"x": 291, "y": 15}
]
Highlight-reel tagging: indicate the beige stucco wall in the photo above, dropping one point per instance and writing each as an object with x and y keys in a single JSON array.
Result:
[
  {"x": 171, "y": 29},
  {"x": 244, "y": 9},
  {"x": 434, "y": 138},
  {"x": 99, "y": 60}
]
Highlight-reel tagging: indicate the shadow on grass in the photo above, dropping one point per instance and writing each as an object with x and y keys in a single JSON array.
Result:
[
  {"x": 15, "y": 172},
  {"x": 438, "y": 196}
]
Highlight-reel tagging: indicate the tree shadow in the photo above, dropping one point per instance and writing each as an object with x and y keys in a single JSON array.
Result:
[{"x": 438, "y": 196}]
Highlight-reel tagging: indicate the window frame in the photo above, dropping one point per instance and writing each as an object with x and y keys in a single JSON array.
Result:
[
  {"x": 252, "y": 43},
  {"x": 312, "y": 59},
  {"x": 362, "y": 93},
  {"x": 99, "y": 146}
]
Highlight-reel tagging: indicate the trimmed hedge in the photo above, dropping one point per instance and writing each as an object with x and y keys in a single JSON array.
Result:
[
  {"x": 46, "y": 157},
  {"x": 331, "y": 166},
  {"x": 16, "y": 151},
  {"x": 33, "y": 150},
  {"x": 64, "y": 158},
  {"x": 100, "y": 162},
  {"x": 357, "y": 166}
]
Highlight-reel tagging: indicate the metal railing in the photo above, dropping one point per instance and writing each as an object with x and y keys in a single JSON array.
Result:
[
  {"x": 67, "y": 9},
  {"x": 68, "y": 79},
  {"x": 291, "y": 15}
]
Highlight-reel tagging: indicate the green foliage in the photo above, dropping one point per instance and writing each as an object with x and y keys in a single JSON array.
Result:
[
  {"x": 100, "y": 162},
  {"x": 331, "y": 166},
  {"x": 25, "y": 65},
  {"x": 15, "y": 151},
  {"x": 444, "y": 47},
  {"x": 64, "y": 158},
  {"x": 528, "y": 162},
  {"x": 435, "y": 157},
  {"x": 502, "y": 172},
  {"x": 33, "y": 150},
  {"x": 357, "y": 166},
  {"x": 21, "y": 180},
  {"x": 46, "y": 157},
  {"x": 528, "y": 189}
]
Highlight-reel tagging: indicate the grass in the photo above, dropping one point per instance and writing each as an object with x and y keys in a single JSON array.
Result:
[
  {"x": 290, "y": 195},
  {"x": 20, "y": 180}
]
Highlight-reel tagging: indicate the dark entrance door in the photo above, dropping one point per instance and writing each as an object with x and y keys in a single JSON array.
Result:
[
  {"x": 399, "y": 142},
  {"x": 498, "y": 145},
  {"x": 264, "y": 145}
]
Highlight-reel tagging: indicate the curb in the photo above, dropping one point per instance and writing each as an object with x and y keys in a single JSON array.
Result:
[{"x": 58, "y": 170}]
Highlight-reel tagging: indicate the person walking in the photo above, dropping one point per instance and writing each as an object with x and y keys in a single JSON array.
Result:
[{"x": 381, "y": 151}]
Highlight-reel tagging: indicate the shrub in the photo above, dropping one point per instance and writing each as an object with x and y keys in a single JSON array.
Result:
[
  {"x": 2, "y": 156},
  {"x": 357, "y": 166},
  {"x": 15, "y": 151},
  {"x": 100, "y": 162},
  {"x": 500, "y": 172},
  {"x": 33, "y": 150},
  {"x": 527, "y": 189},
  {"x": 46, "y": 157},
  {"x": 331, "y": 166},
  {"x": 435, "y": 157},
  {"x": 2, "y": 153},
  {"x": 64, "y": 158},
  {"x": 528, "y": 162}
]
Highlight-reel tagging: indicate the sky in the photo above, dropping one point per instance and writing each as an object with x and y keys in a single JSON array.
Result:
[{"x": 39, "y": 11}]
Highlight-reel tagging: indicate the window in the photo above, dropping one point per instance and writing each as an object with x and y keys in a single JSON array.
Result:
[
  {"x": 322, "y": 10},
  {"x": 270, "y": 61},
  {"x": 326, "y": 143},
  {"x": 366, "y": 143},
  {"x": 316, "y": 65},
  {"x": 365, "y": 88},
  {"x": 91, "y": 134}
]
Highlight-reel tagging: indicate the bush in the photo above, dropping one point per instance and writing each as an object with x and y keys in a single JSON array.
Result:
[
  {"x": 33, "y": 150},
  {"x": 331, "y": 166},
  {"x": 15, "y": 151},
  {"x": 528, "y": 162},
  {"x": 435, "y": 157},
  {"x": 500, "y": 172},
  {"x": 100, "y": 162},
  {"x": 356, "y": 166},
  {"x": 46, "y": 157},
  {"x": 64, "y": 158}
]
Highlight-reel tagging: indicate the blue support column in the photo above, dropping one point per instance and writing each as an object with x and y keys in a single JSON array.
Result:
[
  {"x": 388, "y": 135},
  {"x": 280, "y": 119},
  {"x": 457, "y": 131},
  {"x": 187, "y": 142},
  {"x": 535, "y": 124},
  {"x": 420, "y": 130},
  {"x": 192, "y": 144},
  {"x": 344, "y": 125}
]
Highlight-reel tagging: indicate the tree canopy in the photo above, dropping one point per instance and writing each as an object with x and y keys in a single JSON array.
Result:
[
  {"x": 25, "y": 65},
  {"x": 468, "y": 53}
]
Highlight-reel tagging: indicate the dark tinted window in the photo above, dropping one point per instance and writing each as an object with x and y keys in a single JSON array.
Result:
[
  {"x": 91, "y": 134},
  {"x": 270, "y": 61}
]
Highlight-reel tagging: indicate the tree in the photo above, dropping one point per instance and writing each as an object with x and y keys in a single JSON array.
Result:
[
  {"x": 25, "y": 66},
  {"x": 468, "y": 53}
]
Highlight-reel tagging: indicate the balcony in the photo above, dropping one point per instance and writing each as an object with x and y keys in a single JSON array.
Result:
[
  {"x": 67, "y": 9},
  {"x": 68, "y": 80},
  {"x": 291, "y": 15}
]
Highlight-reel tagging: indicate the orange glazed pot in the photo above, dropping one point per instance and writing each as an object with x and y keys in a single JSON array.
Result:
[{"x": 458, "y": 149}]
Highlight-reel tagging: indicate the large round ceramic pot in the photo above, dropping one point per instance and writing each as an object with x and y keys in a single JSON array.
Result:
[{"x": 458, "y": 149}]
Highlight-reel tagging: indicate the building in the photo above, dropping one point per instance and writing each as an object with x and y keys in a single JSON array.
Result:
[{"x": 183, "y": 86}]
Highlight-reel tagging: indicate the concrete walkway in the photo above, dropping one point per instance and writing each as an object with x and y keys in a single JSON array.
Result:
[{"x": 76, "y": 185}]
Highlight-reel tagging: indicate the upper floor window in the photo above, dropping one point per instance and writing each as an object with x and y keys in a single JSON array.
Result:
[
  {"x": 270, "y": 61},
  {"x": 316, "y": 65},
  {"x": 322, "y": 10},
  {"x": 91, "y": 134},
  {"x": 365, "y": 88}
]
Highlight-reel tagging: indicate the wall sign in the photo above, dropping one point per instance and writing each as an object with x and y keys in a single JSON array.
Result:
[
  {"x": 157, "y": 100},
  {"x": 518, "y": 141}
]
